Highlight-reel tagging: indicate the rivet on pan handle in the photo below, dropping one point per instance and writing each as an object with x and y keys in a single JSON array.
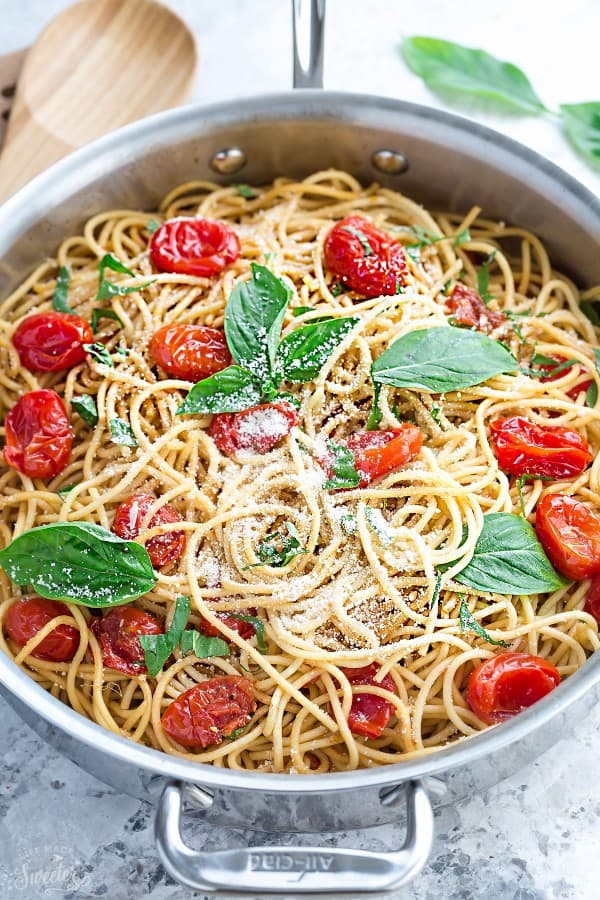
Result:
[
  {"x": 308, "y": 18},
  {"x": 294, "y": 870}
]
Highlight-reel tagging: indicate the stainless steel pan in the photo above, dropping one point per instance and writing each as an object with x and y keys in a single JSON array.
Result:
[{"x": 445, "y": 161}]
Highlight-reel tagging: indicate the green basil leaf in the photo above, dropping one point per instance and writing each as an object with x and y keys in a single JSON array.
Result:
[
  {"x": 85, "y": 405},
  {"x": 379, "y": 525},
  {"x": 361, "y": 236},
  {"x": 280, "y": 547},
  {"x": 375, "y": 416},
  {"x": 455, "y": 69},
  {"x": 103, "y": 312},
  {"x": 158, "y": 647},
  {"x": 509, "y": 559},
  {"x": 259, "y": 626},
  {"x": 100, "y": 354},
  {"x": 236, "y": 733},
  {"x": 122, "y": 433},
  {"x": 344, "y": 474},
  {"x": 202, "y": 645},
  {"x": 582, "y": 124},
  {"x": 61, "y": 291},
  {"x": 108, "y": 289},
  {"x": 152, "y": 225},
  {"x": 65, "y": 490},
  {"x": 590, "y": 309},
  {"x": 230, "y": 390},
  {"x": 462, "y": 237},
  {"x": 337, "y": 289},
  {"x": 483, "y": 278},
  {"x": 300, "y": 310},
  {"x": 253, "y": 319},
  {"x": 435, "y": 413},
  {"x": 79, "y": 562},
  {"x": 245, "y": 191},
  {"x": 468, "y": 622},
  {"x": 436, "y": 590},
  {"x": 304, "y": 352},
  {"x": 591, "y": 397},
  {"x": 521, "y": 480},
  {"x": 442, "y": 359}
]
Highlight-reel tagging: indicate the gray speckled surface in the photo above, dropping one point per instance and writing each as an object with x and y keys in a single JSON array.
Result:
[{"x": 537, "y": 835}]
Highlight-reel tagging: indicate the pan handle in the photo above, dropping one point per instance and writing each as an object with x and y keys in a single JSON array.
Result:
[
  {"x": 295, "y": 870},
  {"x": 308, "y": 18}
]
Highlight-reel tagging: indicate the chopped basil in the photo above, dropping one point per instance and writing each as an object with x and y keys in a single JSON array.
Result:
[
  {"x": 80, "y": 562},
  {"x": 202, "y": 645},
  {"x": 108, "y": 289},
  {"x": 102, "y": 312},
  {"x": 236, "y": 733},
  {"x": 468, "y": 622},
  {"x": 545, "y": 366},
  {"x": 442, "y": 359},
  {"x": 591, "y": 397},
  {"x": 303, "y": 353},
  {"x": 230, "y": 390},
  {"x": 582, "y": 125},
  {"x": 61, "y": 291},
  {"x": 100, "y": 354},
  {"x": 379, "y": 525},
  {"x": 521, "y": 481},
  {"x": 361, "y": 236},
  {"x": 65, "y": 490},
  {"x": 122, "y": 433},
  {"x": 280, "y": 547},
  {"x": 375, "y": 416},
  {"x": 300, "y": 310},
  {"x": 152, "y": 225},
  {"x": 158, "y": 647},
  {"x": 436, "y": 590},
  {"x": 344, "y": 474},
  {"x": 348, "y": 524},
  {"x": 85, "y": 405},
  {"x": 483, "y": 278},
  {"x": 425, "y": 239},
  {"x": 245, "y": 191},
  {"x": 122, "y": 351},
  {"x": 589, "y": 309},
  {"x": 259, "y": 625},
  {"x": 435, "y": 413},
  {"x": 337, "y": 289}
]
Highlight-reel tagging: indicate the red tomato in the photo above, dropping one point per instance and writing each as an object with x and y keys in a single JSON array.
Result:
[
  {"x": 162, "y": 548},
  {"x": 522, "y": 447},
  {"x": 210, "y": 711},
  {"x": 194, "y": 246},
  {"x": 573, "y": 392},
  {"x": 244, "y": 629},
  {"x": 378, "y": 452},
  {"x": 26, "y": 617},
  {"x": 369, "y": 714},
  {"x": 508, "y": 683},
  {"x": 190, "y": 352},
  {"x": 365, "y": 258},
  {"x": 592, "y": 601},
  {"x": 469, "y": 309},
  {"x": 570, "y": 534},
  {"x": 38, "y": 435},
  {"x": 259, "y": 428},
  {"x": 51, "y": 341},
  {"x": 118, "y": 634}
]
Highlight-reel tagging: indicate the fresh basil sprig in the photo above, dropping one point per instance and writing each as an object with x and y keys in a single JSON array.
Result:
[
  {"x": 122, "y": 433},
  {"x": 108, "y": 289},
  {"x": 468, "y": 622},
  {"x": 509, "y": 559},
  {"x": 103, "y": 312},
  {"x": 343, "y": 469},
  {"x": 80, "y": 562},
  {"x": 85, "y": 405},
  {"x": 442, "y": 359},
  {"x": 61, "y": 291}
]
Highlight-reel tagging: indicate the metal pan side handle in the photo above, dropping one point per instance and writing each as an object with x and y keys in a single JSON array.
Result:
[
  {"x": 308, "y": 34},
  {"x": 294, "y": 870}
]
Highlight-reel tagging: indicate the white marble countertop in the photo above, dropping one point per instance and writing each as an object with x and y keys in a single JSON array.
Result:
[{"x": 535, "y": 836}]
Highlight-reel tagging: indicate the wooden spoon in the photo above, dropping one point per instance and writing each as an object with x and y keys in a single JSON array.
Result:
[{"x": 97, "y": 65}]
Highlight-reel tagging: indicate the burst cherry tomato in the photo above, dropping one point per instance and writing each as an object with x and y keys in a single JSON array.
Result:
[
  {"x": 190, "y": 352},
  {"x": 194, "y": 246},
  {"x": 570, "y": 534},
  {"x": 162, "y": 548},
  {"x": 522, "y": 447},
  {"x": 51, "y": 341},
  {"x": 365, "y": 258},
  {"x": 244, "y": 629},
  {"x": 508, "y": 683},
  {"x": 369, "y": 714},
  {"x": 259, "y": 428},
  {"x": 376, "y": 453},
  {"x": 210, "y": 711},
  {"x": 26, "y": 618},
  {"x": 469, "y": 309},
  {"x": 119, "y": 636},
  {"x": 38, "y": 435},
  {"x": 549, "y": 367},
  {"x": 592, "y": 601}
]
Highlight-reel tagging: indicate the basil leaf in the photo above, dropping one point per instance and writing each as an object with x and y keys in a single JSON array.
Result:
[
  {"x": 108, "y": 289},
  {"x": 253, "y": 319},
  {"x": 85, "y": 405},
  {"x": 442, "y": 359},
  {"x": 259, "y": 626},
  {"x": 158, "y": 647},
  {"x": 582, "y": 124},
  {"x": 426, "y": 239},
  {"x": 468, "y": 622},
  {"x": 300, "y": 310},
  {"x": 280, "y": 547},
  {"x": 544, "y": 366},
  {"x": 435, "y": 413},
  {"x": 202, "y": 645},
  {"x": 526, "y": 476},
  {"x": 483, "y": 278},
  {"x": 343, "y": 468},
  {"x": 304, "y": 352},
  {"x": 589, "y": 309},
  {"x": 591, "y": 396},
  {"x": 462, "y": 237},
  {"x": 337, "y": 289},
  {"x": 245, "y": 191},
  {"x": 61, "y": 291},
  {"x": 122, "y": 433},
  {"x": 230, "y": 390},
  {"x": 66, "y": 489},
  {"x": 379, "y": 525},
  {"x": 100, "y": 354},
  {"x": 236, "y": 733},
  {"x": 361, "y": 236},
  {"x": 79, "y": 562},
  {"x": 102, "y": 312},
  {"x": 436, "y": 590},
  {"x": 509, "y": 559},
  {"x": 451, "y": 68},
  {"x": 152, "y": 225},
  {"x": 375, "y": 416}
]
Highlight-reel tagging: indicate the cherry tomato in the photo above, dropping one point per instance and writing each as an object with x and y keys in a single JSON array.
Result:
[
  {"x": 244, "y": 629},
  {"x": 369, "y": 714},
  {"x": 508, "y": 683},
  {"x": 162, "y": 548},
  {"x": 38, "y": 435},
  {"x": 592, "y": 601},
  {"x": 365, "y": 258},
  {"x": 51, "y": 341},
  {"x": 573, "y": 392},
  {"x": 190, "y": 352},
  {"x": 259, "y": 428},
  {"x": 570, "y": 534},
  {"x": 210, "y": 711},
  {"x": 378, "y": 452},
  {"x": 194, "y": 246},
  {"x": 118, "y": 634},
  {"x": 26, "y": 617},
  {"x": 469, "y": 309},
  {"x": 522, "y": 447}
]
